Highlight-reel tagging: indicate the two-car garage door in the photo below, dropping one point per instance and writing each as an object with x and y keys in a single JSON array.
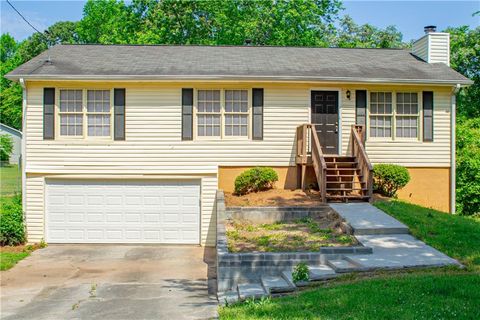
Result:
[{"x": 87, "y": 211}]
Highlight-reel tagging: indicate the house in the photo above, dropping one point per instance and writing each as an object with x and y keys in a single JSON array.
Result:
[
  {"x": 129, "y": 143},
  {"x": 17, "y": 142}
]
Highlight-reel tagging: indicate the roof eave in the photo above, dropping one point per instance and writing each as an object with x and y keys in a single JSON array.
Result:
[{"x": 16, "y": 77}]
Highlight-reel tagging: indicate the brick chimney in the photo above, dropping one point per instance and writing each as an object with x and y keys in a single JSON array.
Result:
[{"x": 433, "y": 47}]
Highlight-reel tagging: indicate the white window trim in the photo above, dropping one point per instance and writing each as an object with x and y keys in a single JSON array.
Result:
[
  {"x": 394, "y": 137},
  {"x": 222, "y": 116},
  {"x": 85, "y": 113}
]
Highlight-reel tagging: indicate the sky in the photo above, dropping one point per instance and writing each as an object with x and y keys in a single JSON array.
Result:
[{"x": 408, "y": 16}]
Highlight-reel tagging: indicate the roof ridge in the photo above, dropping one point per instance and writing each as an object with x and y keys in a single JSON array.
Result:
[{"x": 221, "y": 46}]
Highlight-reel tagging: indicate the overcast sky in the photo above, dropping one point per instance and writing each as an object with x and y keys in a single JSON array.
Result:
[{"x": 409, "y": 16}]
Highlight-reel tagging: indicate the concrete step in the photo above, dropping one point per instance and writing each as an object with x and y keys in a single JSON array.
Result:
[
  {"x": 287, "y": 275},
  {"x": 250, "y": 290},
  {"x": 321, "y": 272},
  {"x": 276, "y": 284},
  {"x": 344, "y": 265},
  {"x": 228, "y": 297}
]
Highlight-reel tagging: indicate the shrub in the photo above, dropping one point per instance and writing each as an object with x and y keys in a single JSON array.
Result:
[
  {"x": 300, "y": 272},
  {"x": 6, "y": 147},
  {"x": 12, "y": 231},
  {"x": 388, "y": 178},
  {"x": 468, "y": 166},
  {"x": 256, "y": 179}
]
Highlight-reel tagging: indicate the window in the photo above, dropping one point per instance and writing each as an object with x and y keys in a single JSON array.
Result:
[
  {"x": 71, "y": 113},
  {"x": 381, "y": 113},
  {"x": 208, "y": 113},
  {"x": 236, "y": 113},
  {"x": 98, "y": 112},
  {"x": 222, "y": 113},
  {"x": 406, "y": 117}
]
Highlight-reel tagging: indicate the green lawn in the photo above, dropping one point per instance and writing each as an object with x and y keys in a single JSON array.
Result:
[
  {"x": 440, "y": 293},
  {"x": 10, "y": 180},
  {"x": 9, "y": 259}
]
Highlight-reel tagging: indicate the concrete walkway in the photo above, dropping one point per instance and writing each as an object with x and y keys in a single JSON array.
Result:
[
  {"x": 393, "y": 247},
  {"x": 367, "y": 219}
]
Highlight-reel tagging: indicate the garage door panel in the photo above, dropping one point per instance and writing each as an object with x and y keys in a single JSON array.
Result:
[{"x": 123, "y": 212}]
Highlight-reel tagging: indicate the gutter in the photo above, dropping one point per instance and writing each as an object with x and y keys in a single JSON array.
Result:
[
  {"x": 453, "y": 121},
  {"x": 24, "y": 144},
  {"x": 256, "y": 78}
]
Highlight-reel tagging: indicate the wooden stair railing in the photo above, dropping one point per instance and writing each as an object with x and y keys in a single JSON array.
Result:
[
  {"x": 357, "y": 138},
  {"x": 304, "y": 132}
]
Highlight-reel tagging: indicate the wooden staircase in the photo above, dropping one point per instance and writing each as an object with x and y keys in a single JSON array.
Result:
[{"x": 340, "y": 178}]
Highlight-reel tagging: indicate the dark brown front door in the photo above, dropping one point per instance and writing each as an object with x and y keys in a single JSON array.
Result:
[{"x": 325, "y": 119}]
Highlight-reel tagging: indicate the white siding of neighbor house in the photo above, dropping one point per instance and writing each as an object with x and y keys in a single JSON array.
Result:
[{"x": 153, "y": 147}]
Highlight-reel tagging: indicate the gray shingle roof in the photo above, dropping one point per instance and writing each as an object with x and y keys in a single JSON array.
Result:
[{"x": 233, "y": 62}]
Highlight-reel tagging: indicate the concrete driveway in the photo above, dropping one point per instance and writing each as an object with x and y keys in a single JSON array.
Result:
[{"x": 111, "y": 282}]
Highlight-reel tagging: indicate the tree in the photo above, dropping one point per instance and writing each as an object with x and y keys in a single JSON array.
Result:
[
  {"x": 352, "y": 35},
  {"x": 108, "y": 22},
  {"x": 468, "y": 166},
  {"x": 6, "y": 147},
  {"x": 8, "y": 46},
  {"x": 465, "y": 58}
]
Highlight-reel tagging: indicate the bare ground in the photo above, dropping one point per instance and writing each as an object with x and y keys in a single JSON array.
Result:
[
  {"x": 308, "y": 234},
  {"x": 274, "y": 197}
]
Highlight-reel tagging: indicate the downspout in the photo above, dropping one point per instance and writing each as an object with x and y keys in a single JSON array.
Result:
[
  {"x": 453, "y": 121},
  {"x": 24, "y": 144}
]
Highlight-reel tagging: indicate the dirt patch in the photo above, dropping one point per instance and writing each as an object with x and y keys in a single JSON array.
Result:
[
  {"x": 274, "y": 197},
  {"x": 307, "y": 234},
  {"x": 22, "y": 248}
]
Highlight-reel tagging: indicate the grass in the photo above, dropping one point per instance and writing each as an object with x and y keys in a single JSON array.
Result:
[
  {"x": 437, "y": 293},
  {"x": 456, "y": 236},
  {"x": 308, "y": 234},
  {"x": 10, "y": 180},
  {"x": 414, "y": 296},
  {"x": 9, "y": 259}
]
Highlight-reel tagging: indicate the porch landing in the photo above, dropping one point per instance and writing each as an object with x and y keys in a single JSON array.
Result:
[{"x": 367, "y": 219}]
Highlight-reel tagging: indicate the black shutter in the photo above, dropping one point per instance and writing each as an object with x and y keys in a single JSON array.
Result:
[
  {"x": 257, "y": 122},
  {"x": 361, "y": 107},
  {"x": 427, "y": 116},
  {"x": 187, "y": 114},
  {"x": 119, "y": 114},
  {"x": 48, "y": 113}
]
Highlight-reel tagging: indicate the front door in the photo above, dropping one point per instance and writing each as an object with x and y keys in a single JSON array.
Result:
[{"x": 325, "y": 119}]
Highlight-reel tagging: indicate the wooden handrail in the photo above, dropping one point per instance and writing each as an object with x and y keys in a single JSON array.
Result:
[
  {"x": 318, "y": 161},
  {"x": 358, "y": 151},
  {"x": 319, "y": 164}
]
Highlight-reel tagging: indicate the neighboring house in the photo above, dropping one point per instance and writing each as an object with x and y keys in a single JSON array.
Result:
[
  {"x": 129, "y": 143},
  {"x": 17, "y": 142}
]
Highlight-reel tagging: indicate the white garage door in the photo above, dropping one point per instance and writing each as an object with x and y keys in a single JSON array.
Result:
[{"x": 81, "y": 211}]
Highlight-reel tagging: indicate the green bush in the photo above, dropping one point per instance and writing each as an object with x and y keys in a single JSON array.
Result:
[
  {"x": 256, "y": 179},
  {"x": 12, "y": 231},
  {"x": 468, "y": 166},
  {"x": 388, "y": 178},
  {"x": 6, "y": 147},
  {"x": 300, "y": 272}
]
